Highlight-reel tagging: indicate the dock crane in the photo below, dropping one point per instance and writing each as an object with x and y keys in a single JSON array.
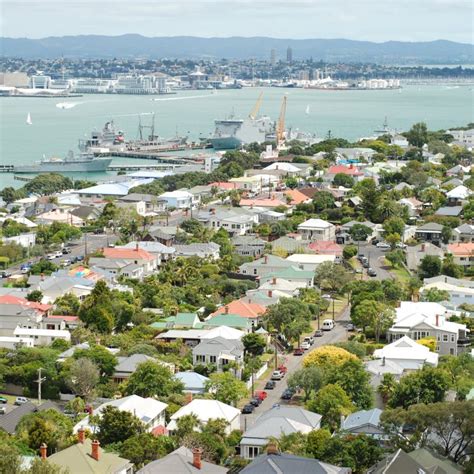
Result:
[
  {"x": 280, "y": 127},
  {"x": 254, "y": 112}
]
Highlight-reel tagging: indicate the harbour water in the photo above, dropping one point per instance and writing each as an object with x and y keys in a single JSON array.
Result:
[{"x": 348, "y": 114}]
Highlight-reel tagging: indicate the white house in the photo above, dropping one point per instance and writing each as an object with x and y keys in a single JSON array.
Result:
[
  {"x": 317, "y": 229},
  {"x": 178, "y": 199},
  {"x": 149, "y": 411},
  {"x": 219, "y": 351},
  {"x": 309, "y": 262},
  {"x": 460, "y": 291},
  {"x": 42, "y": 337},
  {"x": 206, "y": 410}
]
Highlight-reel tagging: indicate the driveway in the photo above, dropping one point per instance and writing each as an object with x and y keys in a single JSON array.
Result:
[{"x": 293, "y": 363}]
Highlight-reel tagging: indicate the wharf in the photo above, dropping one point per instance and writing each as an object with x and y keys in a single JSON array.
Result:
[{"x": 150, "y": 155}]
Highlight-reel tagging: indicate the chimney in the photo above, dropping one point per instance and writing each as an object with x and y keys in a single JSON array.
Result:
[
  {"x": 274, "y": 281},
  {"x": 383, "y": 360},
  {"x": 422, "y": 247},
  {"x": 95, "y": 449},
  {"x": 44, "y": 451},
  {"x": 265, "y": 259},
  {"x": 437, "y": 320},
  {"x": 272, "y": 448},
  {"x": 136, "y": 247},
  {"x": 226, "y": 309},
  {"x": 197, "y": 461},
  {"x": 81, "y": 434},
  {"x": 270, "y": 293},
  {"x": 343, "y": 418},
  {"x": 188, "y": 397}
]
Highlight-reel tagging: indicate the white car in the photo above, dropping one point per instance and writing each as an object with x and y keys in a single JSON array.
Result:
[
  {"x": 277, "y": 375},
  {"x": 51, "y": 256},
  {"x": 305, "y": 345},
  {"x": 401, "y": 245},
  {"x": 383, "y": 245},
  {"x": 21, "y": 400}
]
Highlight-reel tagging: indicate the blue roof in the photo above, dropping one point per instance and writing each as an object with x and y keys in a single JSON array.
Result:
[
  {"x": 192, "y": 380},
  {"x": 361, "y": 418}
]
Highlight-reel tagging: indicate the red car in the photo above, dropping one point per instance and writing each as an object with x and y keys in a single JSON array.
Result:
[
  {"x": 283, "y": 369},
  {"x": 261, "y": 394},
  {"x": 298, "y": 351}
]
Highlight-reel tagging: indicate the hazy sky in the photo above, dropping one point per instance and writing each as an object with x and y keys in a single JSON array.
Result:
[{"x": 374, "y": 20}]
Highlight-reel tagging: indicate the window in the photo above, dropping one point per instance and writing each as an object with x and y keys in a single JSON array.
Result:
[
  {"x": 451, "y": 351},
  {"x": 445, "y": 338},
  {"x": 254, "y": 451},
  {"x": 200, "y": 358},
  {"x": 212, "y": 359},
  {"x": 453, "y": 338}
]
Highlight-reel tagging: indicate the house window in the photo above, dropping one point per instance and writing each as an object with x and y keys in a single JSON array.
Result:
[
  {"x": 254, "y": 451},
  {"x": 224, "y": 361},
  {"x": 437, "y": 348},
  {"x": 453, "y": 338},
  {"x": 200, "y": 358},
  {"x": 212, "y": 359},
  {"x": 445, "y": 338},
  {"x": 451, "y": 351}
]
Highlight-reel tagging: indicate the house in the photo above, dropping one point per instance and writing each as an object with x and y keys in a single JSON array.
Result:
[
  {"x": 419, "y": 461},
  {"x": 182, "y": 461},
  {"x": 274, "y": 462},
  {"x": 324, "y": 247},
  {"x": 42, "y": 337},
  {"x": 460, "y": 291},
  {"x": 280, "y": 419},
  {"x": 364, "y": 422},
  {"x": 206, "y": 410},
  {"x": 416, "y": 254},
  {"x": 219, "y": 351},
  {"x": 429, "y": 232},
  {"x": 111, "y": 269},
  {"x": 296, "y": 197},
  {"x": 204, "y": 250},
  {"x": 263, "y": 266},
  {"x": 248, "y": 245},
  {"x": 350, "y": 170},
  {"x": 136, "y": 256},
  {"x": 407, "y": 353},
  {"x": 233, "y": 321},
  {"x": 87, "y": 457},
  {"x": 57, "y": 285},
  {"x": 241, "y": 308},
  {"x": 266, "y": 203},
  {"x": 160, "y": 251},
  {"x": 60, "y": 215},
  {"x": 149, "y": 411},
  {"x": 425, "y": 319},
  {"x": 463, "y": 253},
  {"x": 344, "y": 236},
  {"x": 180, "y": 320},
  {"x": 289, "y": 244},
  {"x": 177, "y": 199},
  {"x": 192, "y": 381},
  {"x": 317, "y": 229},
  {"x": 265, "y": 297},
  {"x": 449, "y": 211},
  {"x": 87, "y": 213},
  {"x": 458, "y": 170},
  {"x": 457, "y": 195},
  {"x": 153, "y": 204},
  {"x": 412, "y": 204},
  {"x": 289, "y": 169},
  {"x": 193, "y": 336},
  {"x": 126, "y": 366},
  {"x": 309, "y": 262},
  {"x": 292, "y": 274},
  {"x": 15, "y": 311},
  {"x": 463, "y": 233},
  {"x": 111, "y": 190},
  {"x": 235, "y": 221},
  {"x": 282, "y": 286},
  {"x": 166, "y": 235},
  {"x": 399, "y": 140},
  {"x": 356, "y": 153},
  {"x": 251, "y": 184}
]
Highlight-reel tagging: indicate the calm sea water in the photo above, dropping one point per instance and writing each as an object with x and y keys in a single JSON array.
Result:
[{"x": 348, "y": 114}]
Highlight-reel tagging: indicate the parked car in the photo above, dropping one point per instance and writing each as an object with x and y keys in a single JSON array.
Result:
[
  {"x": 277, "y": 375},
  {"x": 305, "y": 345},
  {"x": 350, "y": 327},
  {"x": 270, "y": 385},
  {"x": 248, "y": 409},
  {"x": 371, "y": 272},
  {"x": 283, "y": 369},
  {"x": 66, "y": 251},
  {"x": 255, "y": 401},
  {"x": 3, "y": 410},
  {"x": 25, "y": 270},
  {"x": 287, "y": 394},
  {"x": 79, "y": 258},
  {"x": 365, "y": 264},
  {"x": 261, "y": 394},
  {"x": 318, "y": 333},
  {"x": 374, "y": 241},
  {"x": 3, "y": 400},
  {"x": 51, "y": 256},
  {"x": 309, "y": 339},
  {"x": 328, "y": 324},
  {"x": 5, "y": 274},
  {"x": 21, "y": 400},
  {"x": 383, "y": 245},
  {"x": 66, "y": 262},
  {"x": 298, "y": 351},
  {"x": 401, "y": 245}
]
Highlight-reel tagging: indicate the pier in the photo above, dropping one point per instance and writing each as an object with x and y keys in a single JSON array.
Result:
[
  {"x": 6, "y": 168},
  {"x": 150, "y": 155}
]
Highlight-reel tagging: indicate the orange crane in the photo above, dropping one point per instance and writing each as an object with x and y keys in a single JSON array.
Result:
[
  {"x": 253, "y": 114},
  {"x": 280, "y": 128}
]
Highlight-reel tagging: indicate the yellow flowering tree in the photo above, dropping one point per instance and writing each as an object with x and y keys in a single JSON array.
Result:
[{"x": 328, "y": 356}]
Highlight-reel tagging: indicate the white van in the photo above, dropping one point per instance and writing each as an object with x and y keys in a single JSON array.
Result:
[{"x": 328, "y": 324}]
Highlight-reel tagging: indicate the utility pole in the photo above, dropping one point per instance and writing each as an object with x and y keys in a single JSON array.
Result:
[
  {"x": 39, "y": 382},
  {"x": 276, "y": 350},
  {"x": 333, "y": 308},
  {"x": 85, "y": 244}
]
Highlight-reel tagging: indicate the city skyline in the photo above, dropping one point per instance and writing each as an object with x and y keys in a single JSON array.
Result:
[{"x": 404, "y": 20}]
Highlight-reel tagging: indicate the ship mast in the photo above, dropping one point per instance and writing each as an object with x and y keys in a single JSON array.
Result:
[{"x": 280, "y": 128}]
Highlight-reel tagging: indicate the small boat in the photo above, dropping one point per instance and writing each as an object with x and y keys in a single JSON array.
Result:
[
  {"x": 28, "y": 119},
  {"x": 66, "y": 105},
  {"x": 307, "y": 110}
]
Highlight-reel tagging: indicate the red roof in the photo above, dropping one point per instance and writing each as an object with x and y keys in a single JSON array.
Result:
[
  {"x": 349, "y": 170},
  {"x": 262, "y": 202},
  {"x": 242, "y": 308},
  {"x": 462, "y": 249},
  {"x": 10, "y": 299},
  {"x": 326, "y": 247},
  {"x": 297, "y": 197},
  {"x": 159, "y": 430},
  {"x": 64, "y": 318},
  {"x": 223, "y": 185},
  {"x": 128, "y": 254}
]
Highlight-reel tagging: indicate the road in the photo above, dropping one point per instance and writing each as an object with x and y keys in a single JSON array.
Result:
[
  {"x": 376, "y": 260},
  {"x": 293, "y": 363}
]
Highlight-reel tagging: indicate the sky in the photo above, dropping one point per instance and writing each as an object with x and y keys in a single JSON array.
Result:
[{"x": 371, "y": 20}]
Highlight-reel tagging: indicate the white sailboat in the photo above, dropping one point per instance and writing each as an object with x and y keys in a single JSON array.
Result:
[
  {"x": 28, "y": 119},
  {"x": 307, "y": 110}
]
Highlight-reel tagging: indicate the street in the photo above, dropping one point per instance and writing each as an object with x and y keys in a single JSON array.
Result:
[
  {"x": 293, "y": 363},
  {"x": 376, "y": 256}
]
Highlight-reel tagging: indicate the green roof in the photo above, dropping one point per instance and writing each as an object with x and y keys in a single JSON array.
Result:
[
  {"x": 185, "y": 319},
  {"x": 231, "y": 320},
  {"x": 181, "y": 319},
  {"x": 428, "y": 460},
  {"x": 77, "y": 458},
  {"x": 289, "y": 273},
  {"x": 159, "y": 325}
]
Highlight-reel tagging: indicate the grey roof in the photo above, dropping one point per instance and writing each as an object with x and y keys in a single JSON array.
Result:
[
  {"x": 137, "y": 197},
  {"x": 361, "y": 418},
  {"x": 465, "y": 229},
  {"x": 453, "y": 211},
  {"x": 180, "y": 461},
  {"x": 293, "y": 413},
  {"x": 216, "y": 345},
  {"x": 289, "y": 244},
  {"x": 349, "y": 225},
  {"x": 247, "y": 240},
  {"x": 152, "y": 247},
  {"x": 430, "y": 226},
  {"x": 83, "y": 212},
  {"x": 290, "y": 464},
  {"x": 402, "y": 185},
  {"x": 129, "y": 364},
  {"x": 401, "y": 463},
  {"x": 194, "y": 249},
  {"x": 10, "y": 421}
]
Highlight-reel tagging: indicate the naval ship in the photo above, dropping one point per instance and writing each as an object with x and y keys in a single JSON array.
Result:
[
  {"x": 234, "y": 132},
  {"x": 82, "y": 163}
]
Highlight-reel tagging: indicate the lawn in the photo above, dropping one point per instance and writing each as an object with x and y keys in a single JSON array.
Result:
[{"x": 401, "y": 273}]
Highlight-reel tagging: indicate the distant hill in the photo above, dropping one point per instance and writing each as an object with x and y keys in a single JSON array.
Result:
[{"x": 131, "y": 45}]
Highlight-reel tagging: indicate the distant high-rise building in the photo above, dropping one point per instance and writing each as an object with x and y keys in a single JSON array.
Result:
[
  {"x": 273, "y": 57},
  {"x": 289, "y": 55}
]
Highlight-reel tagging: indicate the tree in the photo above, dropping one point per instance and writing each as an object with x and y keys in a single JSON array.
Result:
[
  {"x": 417, "y": 135},
  {"x": 382, "y": 321},
  {"x": 226, "y": 388},
  {"x": 104, "y": 359},
  {"x": 435, "y": 295},
  {"x": 331, "y": 402},
  {"x": 331, "y": 276},
  {"x": 460, "y": 370},
  {"x": 144, "y": 448},
  {"x": 387, "y": 386},
  {"x": 367, "y": 189},
  {"x": 116, "y": 425},
  {"x": 186, "y": 424},
  {"x": 449, "y": 268},
  {"x": 67, "y": 304},
  {"x": 10, "y": 459},
  {"x": 446, "y": 234},
  {"x": 96, "y": 310},
  {"x": 430, "y": 266},
  {"x": 323, "y": 200},
  {"x": 152, "y": 379},
  {"x": 349, "y": 251},
  {"x": 44, "y": 466},
  {"x": 365, "y": 313},
  {"x": 48, "y": 184},
  {"x": 342, "y": 179},
  {"x": 394, "y": 225},
  {"x": 83, "y": 377},
  {"x": 360, "y": 232},
  {"x": 35, "y": 295},
  {"x": 308, "y": 379},
  {"x": 396, "y": 257},
  {"x": 254, "y": 344},
  {"x": 427, "y": 385},
  {"x": 326, "y": 356},
  {"x": 76, "y": 406}
]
